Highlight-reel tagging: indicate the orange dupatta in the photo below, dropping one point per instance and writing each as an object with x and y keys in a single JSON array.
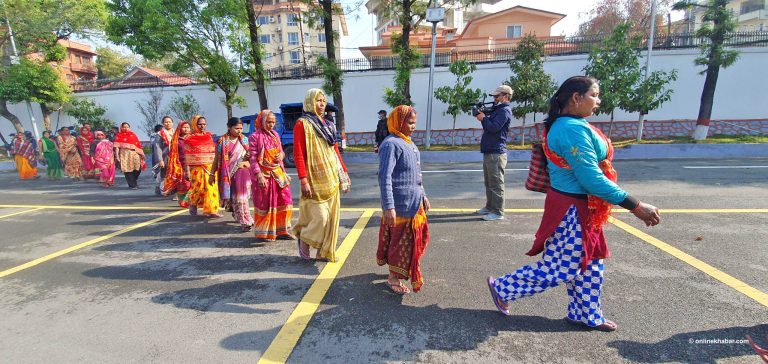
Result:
[
  {"x": 174, "y": 170},
  {"x": 599, "y": 209}
]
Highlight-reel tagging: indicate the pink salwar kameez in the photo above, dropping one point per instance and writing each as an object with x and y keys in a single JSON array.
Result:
[{"x": 104, "y": 159}]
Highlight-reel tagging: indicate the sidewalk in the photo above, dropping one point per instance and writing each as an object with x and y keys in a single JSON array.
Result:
[{"x": 637, "y": 151}]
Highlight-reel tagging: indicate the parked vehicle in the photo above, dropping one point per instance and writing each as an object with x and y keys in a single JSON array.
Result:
[{"x": 286, "y": 120}]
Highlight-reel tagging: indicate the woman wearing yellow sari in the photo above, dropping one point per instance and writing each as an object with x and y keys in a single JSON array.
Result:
[
  {"x": 322, "y": 174},
  {"x": 199, "y": 153},
  {"x": 25, "y": 156}
]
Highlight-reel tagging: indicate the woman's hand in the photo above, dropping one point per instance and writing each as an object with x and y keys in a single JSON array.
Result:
[
  {"x": 305, "y": 189},
  {"x": 389, "y": 217},
  {"x": 262, "y": 181},
  {"x": 426, "y": 204},
  {"x": 648, "y": 213},
  {"x": 212, "y": 178}
]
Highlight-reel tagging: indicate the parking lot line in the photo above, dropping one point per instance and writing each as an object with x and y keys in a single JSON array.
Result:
[
  {"x": 713, "y": 272},
  {"x": 285, "y": 341},
  {"x": 20, "y": 212},
  {"x": 59, "y": 253},
  {"x": 61, "y": 207}
]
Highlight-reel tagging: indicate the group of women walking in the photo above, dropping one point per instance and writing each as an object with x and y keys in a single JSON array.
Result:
[{"x": 237, "y": 170}]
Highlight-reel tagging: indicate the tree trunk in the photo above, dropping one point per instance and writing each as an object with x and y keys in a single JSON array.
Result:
[
  {"x": 610, "y": 126},
  {"x": 253, "y": 29},
  {"x": 640, "y": 127},
  {"x": 46, "y": 116},
  {"x": 12, "y": 118},
  {"x": 228, "y": 104},
  {"x": 522, "y": 132},
  {"x": 330, "y": 53},
  {"x": 406, "y": 44},
  {"x": 453, "y": 134},
  {"x": 705, "y": 107}
]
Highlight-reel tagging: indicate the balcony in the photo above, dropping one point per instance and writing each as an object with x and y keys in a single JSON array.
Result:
[{"x": 83, "y": 68}]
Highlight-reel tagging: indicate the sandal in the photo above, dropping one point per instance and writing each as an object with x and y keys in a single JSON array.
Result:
[
  {"x": 303, "y": 254},
  {"x": 393, "y": 286},
  {"x": 288, "y": 236},
  {"x": 500, "y": 305},
  {"x": 607, "y": 326}
]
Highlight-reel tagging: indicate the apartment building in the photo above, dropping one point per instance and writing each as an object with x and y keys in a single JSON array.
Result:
[
  {"x": 750, "y": 15},
  {"x": 289, "y": 41}
]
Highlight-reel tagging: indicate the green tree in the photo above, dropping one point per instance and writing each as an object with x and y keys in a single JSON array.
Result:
[
  {"x": 150, "y": 110},
  {"x": 615, "y": 64},
  {"x": 183, "y": 107},
  {"x": 407, "y": 60},
  {"x": 718, "y": 22},
  {"x": 460, "y": 97},
  {"x": 38, "y": 25},
  {"x": 649, "y": 95},
  {"x": 87, "y": 111},
  {"x": 199, "y": 33},
  {"x": 532, "y": 86},
  {"x": 256, "y": 72},
  {"x": 320, "y": 17},
  {"x": 35, "y": 81},
  {"x": 113, "y": 64}
]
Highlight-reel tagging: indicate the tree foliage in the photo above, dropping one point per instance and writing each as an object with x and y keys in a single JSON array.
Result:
[
  {"x": 532, "y": 86},
  {"x": 87, "y": 111},
  {"x": 35, "y": 81},
  {"x": 37, "y": 26},
  {"x": 200, "y": 33},
  {"x": 460, "y": 97},
  {"x": 607, "y": 14},
  {"x": 113, "y": 64},
  {"x": 407, "y": 60},
  {"x": 183, "y": 107}
]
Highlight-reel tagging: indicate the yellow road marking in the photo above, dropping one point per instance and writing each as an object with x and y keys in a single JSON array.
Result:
[
  {"x": 364, "y": 209},
  {"x": 285, "y": 341},
  {"x": 59, "y": 253},
  {"x": 20, "y": 212},
  {"x": 721, "y": 276}
]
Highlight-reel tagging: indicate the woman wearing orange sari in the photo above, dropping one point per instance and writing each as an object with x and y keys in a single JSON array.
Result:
[
  {"x": 199, "y": 153},
  {"x": 403, "y": 233},
  {"x": 175, "y": 175},
  {"x": 25, "y": 156},
  {"x": 84, "y": 140},
  {"x": 271, "y": 191},
  {"x": 67, "y": 145}
]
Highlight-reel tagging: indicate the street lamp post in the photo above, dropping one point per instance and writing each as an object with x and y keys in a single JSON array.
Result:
[{"x": 434, "y": 16}]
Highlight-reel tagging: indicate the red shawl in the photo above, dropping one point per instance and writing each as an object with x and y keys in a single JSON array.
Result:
[
  {"x": 84, "y": 141},
  {"x": 599, "y": 209},
  {"x": 129, "y": 140},
  {"x": 199, "y": 148}
]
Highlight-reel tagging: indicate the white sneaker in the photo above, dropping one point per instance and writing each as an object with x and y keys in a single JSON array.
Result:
[
  {"x": 483, "y": 211},
  {"x": 493, "y": 217}
]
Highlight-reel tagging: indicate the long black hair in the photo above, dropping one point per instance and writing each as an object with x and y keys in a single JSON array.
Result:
[
  {"x": 561, "y": 98},
  {"x": 233, "y": 121}
]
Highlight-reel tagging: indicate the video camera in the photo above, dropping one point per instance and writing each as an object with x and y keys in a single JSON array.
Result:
[{"x": 483, "y": 107}]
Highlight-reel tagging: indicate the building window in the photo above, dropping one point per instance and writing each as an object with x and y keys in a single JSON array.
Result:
[
  {"x": 752, "y": 5},
  {"x": 264, "y": 38},
  {"x": 268, "y": 56},
  {"x": 262, "y": 20},
  {"x": 321, "y": 37},
  {"x": 295, "y": 57},
  {"x": 292, "y": 19},
  {"x": 293, "y": 38},
  {"x": 514, "y": 31},
  {"x": 306, "y": 37},
  {"x": 86, "y": 60}
]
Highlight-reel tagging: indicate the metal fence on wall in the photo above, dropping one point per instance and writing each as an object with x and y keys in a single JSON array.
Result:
[{"x": 553, "y": 47}]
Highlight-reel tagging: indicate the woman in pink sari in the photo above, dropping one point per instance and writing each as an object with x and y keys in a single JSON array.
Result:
[
  {"x": 84, "y": 140},
  {"x": 104, "y": 159},
  {"x": 270, "y": 189},
  {"x": 231, "y": 163}
]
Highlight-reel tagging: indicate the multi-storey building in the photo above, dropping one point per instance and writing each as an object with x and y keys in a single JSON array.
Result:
[
  {"x": 750, "y": 15},
  {"x": 80, "y": 64},
  {"x": 289, "y": 41}
]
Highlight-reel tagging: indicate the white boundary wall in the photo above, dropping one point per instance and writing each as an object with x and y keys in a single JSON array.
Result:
[{"x": 741, "y": 93}]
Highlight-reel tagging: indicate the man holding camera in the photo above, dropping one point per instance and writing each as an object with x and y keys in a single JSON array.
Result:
[{"x": 493, "y": 145}]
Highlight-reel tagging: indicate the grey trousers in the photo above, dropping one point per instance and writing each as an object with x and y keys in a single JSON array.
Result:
[{"x": 493, "y": 174}]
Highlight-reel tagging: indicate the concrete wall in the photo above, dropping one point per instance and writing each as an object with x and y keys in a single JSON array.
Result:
[{"x": 740, "y": 93}]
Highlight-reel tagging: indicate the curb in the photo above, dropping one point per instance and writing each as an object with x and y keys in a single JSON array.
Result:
[{"x": 637, "y": 151}]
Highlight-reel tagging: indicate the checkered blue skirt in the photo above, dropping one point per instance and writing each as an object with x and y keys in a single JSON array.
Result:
[{"x": 560, "y": 263}]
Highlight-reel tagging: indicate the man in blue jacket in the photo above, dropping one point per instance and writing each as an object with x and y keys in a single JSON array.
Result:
[{"x": 493, "y": 145}]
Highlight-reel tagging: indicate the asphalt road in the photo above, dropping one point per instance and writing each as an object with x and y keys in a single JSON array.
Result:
[{"x": 146, "y": 283}]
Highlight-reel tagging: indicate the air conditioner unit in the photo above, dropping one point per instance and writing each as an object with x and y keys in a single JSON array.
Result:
[
  {"x": 280, "y": 47},
  {"x": 278, "y": 29},
  {"x": 271, "y": 19}
]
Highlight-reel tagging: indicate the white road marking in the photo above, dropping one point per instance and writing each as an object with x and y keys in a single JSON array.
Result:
[{"x": 723, "y": 167}]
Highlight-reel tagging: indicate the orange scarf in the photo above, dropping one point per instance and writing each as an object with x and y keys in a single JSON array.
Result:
[
  {"x": 599, "y": 209},
  {"x": 199, "y": 148},
  {"x": 398, "y": 120},
  {"x": 174, "y": 172}
]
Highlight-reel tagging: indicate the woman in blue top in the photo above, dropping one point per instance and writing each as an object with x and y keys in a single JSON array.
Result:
[
  {"x": 404, "y": 232},
  {"x": 578, "y": 204}
]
